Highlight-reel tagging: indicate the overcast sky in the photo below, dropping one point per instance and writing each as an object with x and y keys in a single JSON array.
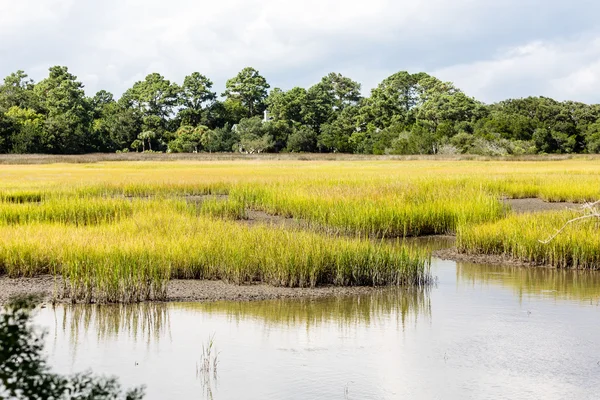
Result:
[{"x": 492, "y": 49}]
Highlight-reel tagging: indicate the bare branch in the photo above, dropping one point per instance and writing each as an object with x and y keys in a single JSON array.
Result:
[{"x": 592, "y": 210}]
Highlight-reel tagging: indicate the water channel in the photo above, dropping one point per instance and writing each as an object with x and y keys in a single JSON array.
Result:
[{"x": 482, "y": 332}]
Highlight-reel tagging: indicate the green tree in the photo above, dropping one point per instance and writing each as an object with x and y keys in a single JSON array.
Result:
[
  {"x": 453, "y": 108},
  {"x": 147, "y": 137},
  {"x": 220, "y": 139},
  {"x": 324, "y": 101},
  {"x": 343, "y": 91},
  {"x": 318, "y": 107},
  {"x": 249, "y": 88},
  {"x": 188, "y": 139},
  {"x": 27, "y": 131},
  {"x": 253, "y": 137},
  {"x": 302, "y": 139},
  {"x": 194, "y": 98},
  {"x": 335, "y": 136},
  {"x": 100, "y": 100},
  {"x": 397, "y": 97},
  {"x": 116, "y": 126},
  {"x": 279, "y": 132},
  {"x": 155, "y": 98},
  {"x": 230, "y": 112},
  {"x": 418, "y": 140},
  {"x": 17, "y": 91},
  {"x": 6, "y": 130},
  {"x": 287, "y": 106},
  {"x": 68, "y": 113},
  {"x": 592, "y": 138}
]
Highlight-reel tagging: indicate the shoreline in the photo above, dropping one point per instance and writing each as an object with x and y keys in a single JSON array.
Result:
[
  {"x": 208, "y": 291},
  {"x": 187, "y": 290},
  {"x": 452, "y": 254}
]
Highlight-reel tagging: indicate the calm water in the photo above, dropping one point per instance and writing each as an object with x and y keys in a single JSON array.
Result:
[{"x": 482, "y": 333}]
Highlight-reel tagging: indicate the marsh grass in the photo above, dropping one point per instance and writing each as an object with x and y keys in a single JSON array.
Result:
[
  {"x": 132, "y": 259},
  {"x": 21, "y": 196},
  {"x": 520, "y": 236},
  {"x": 76, "y": 211},
  {"x": 117, "y": 231},
  {"x": 423, "y": 208}
]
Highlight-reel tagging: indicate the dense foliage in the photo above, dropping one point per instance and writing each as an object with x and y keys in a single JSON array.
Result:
[{"x": 405, "y": 114}]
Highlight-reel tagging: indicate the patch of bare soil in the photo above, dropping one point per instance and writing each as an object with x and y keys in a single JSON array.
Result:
[
  {"x": 453, "y": 254},
  {"x": 203, "y": 290},
  {"x": 43, "y": 285},
  {"x": 198, "y": 199},
  {"x": 534, "y": 205},
  {"x": 184, "y": 290},
  {"x": 255, "y": 217}
]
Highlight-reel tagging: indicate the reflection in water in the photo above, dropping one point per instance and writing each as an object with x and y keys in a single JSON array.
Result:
[
  {"x": 366, "y": 309},
  {"x": 149, "y": 322},
  {"x": 561, "y": 284},
  {"x": 142, "y": 322}
]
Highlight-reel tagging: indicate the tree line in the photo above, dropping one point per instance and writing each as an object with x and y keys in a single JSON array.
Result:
[{"x": 405, "y": 114}]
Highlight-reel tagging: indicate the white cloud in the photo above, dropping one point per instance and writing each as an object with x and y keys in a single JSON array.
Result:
[
  {"x": 113, "y": 43},
  {"x": 562, "y": 69},
  {"x": 27, "y": 14}
]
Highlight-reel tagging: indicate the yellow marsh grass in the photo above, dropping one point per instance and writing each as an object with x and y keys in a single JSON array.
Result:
[
  {"x": 392, "y": 210},
  {"x": 132, "y": 259},
  {"x": 519, "y": 236},
  {"x": 77, "y": 211},
  {"x": 114, "y": 230}
]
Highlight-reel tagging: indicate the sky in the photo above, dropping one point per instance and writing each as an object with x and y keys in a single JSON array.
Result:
[{"x": 491, "y": 49}]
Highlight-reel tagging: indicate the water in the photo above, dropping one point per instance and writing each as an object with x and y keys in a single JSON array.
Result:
[{"x": 483, "y": 332}]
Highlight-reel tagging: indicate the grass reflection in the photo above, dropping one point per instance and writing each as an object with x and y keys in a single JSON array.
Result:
[
  {"x": 363, "y": 309},
  {"x": 562, "y": 284},
  {"x": 144, "y": 322},
  {"x": 150, "y": 322}
]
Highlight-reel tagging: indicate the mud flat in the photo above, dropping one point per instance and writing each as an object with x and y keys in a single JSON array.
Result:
[{"x": 185, "y": 290}]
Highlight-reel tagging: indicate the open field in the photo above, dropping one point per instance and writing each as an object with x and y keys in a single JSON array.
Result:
[{"x": 118, "y": 231}]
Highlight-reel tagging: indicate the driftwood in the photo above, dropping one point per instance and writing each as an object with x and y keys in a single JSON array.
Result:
[{"x": 590, "y": 210}]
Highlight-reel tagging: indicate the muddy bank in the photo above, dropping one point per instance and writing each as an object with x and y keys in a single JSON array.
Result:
[
  {"x": 255, "y": 217},
  {"x": 453, "y": 254},
  {"x": 535, "y": 205},
  {"x": 185, "y": 290}
]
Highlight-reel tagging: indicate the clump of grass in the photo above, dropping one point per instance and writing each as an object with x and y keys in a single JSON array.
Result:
[
  {"x": 126, "y": 275},
  {"x": 520, "y": 237},
  {"x": 421, "y": 209},
  {"x": 209, "y": 359},
  {"x": 133, "y": 259},
  {"x": 75, "y": 211},
  {"x": 206, "y": 370},
  {"x": 22, "y": 196}
]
